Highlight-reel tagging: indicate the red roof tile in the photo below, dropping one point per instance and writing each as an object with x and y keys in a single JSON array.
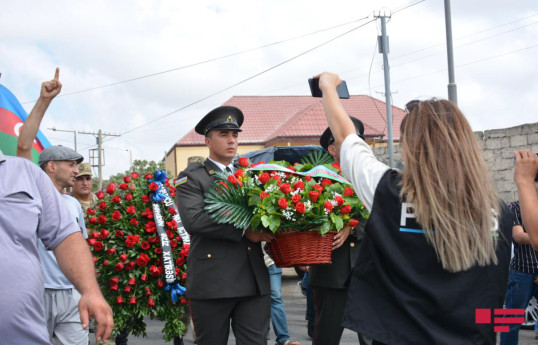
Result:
[{"x": 270, "y": 118}]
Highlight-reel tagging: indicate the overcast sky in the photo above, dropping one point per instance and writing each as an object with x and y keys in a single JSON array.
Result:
[{"x": 194, "y": 52}]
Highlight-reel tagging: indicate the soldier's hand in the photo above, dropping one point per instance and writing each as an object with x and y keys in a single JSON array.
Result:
[
  {"x": 341, "y": 237},
  {"x": 51, "y": 89},
  {"x": 258, "y": 236}
]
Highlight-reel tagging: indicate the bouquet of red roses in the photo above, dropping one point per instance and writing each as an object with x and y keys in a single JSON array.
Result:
[
  {"x": 140, "y": 248},
  {"x": 277, "y": 196}
]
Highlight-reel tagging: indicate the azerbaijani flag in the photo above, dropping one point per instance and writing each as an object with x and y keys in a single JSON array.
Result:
[{"x": 12, "y": 117}]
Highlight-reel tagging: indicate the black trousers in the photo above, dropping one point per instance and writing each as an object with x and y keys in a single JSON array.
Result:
[{"x": 248, "y": 317}]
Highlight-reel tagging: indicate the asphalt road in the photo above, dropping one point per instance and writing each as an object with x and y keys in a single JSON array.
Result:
[{"x": 295, "y": 309}]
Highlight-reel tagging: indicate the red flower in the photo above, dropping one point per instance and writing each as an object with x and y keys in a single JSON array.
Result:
[
  {"x": 154, "y": 271},
  {"x": 130, "y": 265},
  {"x": 348, "y": 191},
  {"x": 119, "y": 266},
  {"x": 345, "y": 209},
  {"x": 91, "y": 241},
  {"x": 160, "y": 283},
  {"x": 132, "y": 300},
  {"x": 102, "y": 206},
  {"x": 239, "y": 173},
  {"x": 285, "y": 188},
  {"x": 119, "y": 300},
  {"x": 339, "y": 200},
  {"x": 314, "y": 195},
  {"x": 148, "y": 213},
  {"x": 173, "y": 243},
  {"x": 308, "y": 178},
  {"x": 114, "y": 280},
  {"x": 131, "y": 281},
  {"x": 337, "y": 166},
  {"x": 94, "y": 235},
  {"x": 90, "y": 211},
  {"x": 94, "y": 260},
  {"x": 124, "y": 186},
  {"x": 150, "y": 227},
  {"x": 144, "y": 277},
  {"x": 131, "y": 210},
  {"x": 300, "y": 208},
  {"x": 134, "y": 175},
  {"x": 142, "y": 260},
  {"x": 234, "y": 181},
  {"x": 98, "y": 246},
  {"x": 264, "y": 178},
  {"x": 326, "y": 182},
  {"x": 111, "y": 188},
  {"x": 183, "y": 300},
  {"x": 328, "y": 206},
  {"x": 100, "y": 195},
  {"x": 264, "y": 195},
  {"x": 353, "y": 223},
  {"x": 123, "y": 257},
  {"x": 144, "y": 245},
  {"x": 296, "y": 198},
  {"x": 116, "y": 199},
  {"x": 243, "y": 162},
  {"x": 283, "y": 203},
  {"x": 127, "y": 289},
  {"x": 151, "y": 303},
  {"x": 105, "y": 263},
  {"x": 148, "y": 176},
  {"x": 318, "y": 187},
  {"x": 158, "y": 251},
  {"x": 101, "y": 219},
  {"x": 93, "y": 220},
  {"x": 299, "y": 185},
  {"x": 131, "y": 240},
  {"x": 119, "y": 233},
  {"x": 172, "y": 224},
  {"x": 153, "y": 239},
  {"x": 128, "y": 197},
  {"x": 110, "y": 251},
  {"x": 114, "y": 287},
  {"x": 153, "y": 187},
  {"x": 134, "y": 222},
  {"x": 171, "y": 210},
  {"x": 180, "y": 261},
  {"x": 104, "y": 233},
  {"x": 126, "y": 179},
  {"x": 116, "y": 215},
  {"x": 145, "y": 198}
]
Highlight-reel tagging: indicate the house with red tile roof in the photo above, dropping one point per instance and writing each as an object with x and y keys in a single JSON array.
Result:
[{"x": 286, "y": 121}]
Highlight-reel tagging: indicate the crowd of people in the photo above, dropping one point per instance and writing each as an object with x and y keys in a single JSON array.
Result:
[{"x": 435, "y": 249}]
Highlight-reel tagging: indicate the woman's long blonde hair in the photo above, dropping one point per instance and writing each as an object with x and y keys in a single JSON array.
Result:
[{"x": 446, "y": 178}]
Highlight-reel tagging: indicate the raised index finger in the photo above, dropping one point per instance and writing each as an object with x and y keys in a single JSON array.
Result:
[{"x": 57, "y": 74}]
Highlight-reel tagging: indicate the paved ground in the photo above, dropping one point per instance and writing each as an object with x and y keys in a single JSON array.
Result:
[{"x": 295, "y": 309}]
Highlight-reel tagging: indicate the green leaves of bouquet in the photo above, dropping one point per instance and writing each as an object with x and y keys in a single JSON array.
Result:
[{"x": 280, "y": 197}]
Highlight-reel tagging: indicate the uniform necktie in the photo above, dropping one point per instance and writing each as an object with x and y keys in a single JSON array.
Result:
[{"x": 228, "y": 170}]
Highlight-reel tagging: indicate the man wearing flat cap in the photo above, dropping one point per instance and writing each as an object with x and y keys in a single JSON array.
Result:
[
  {"x": 330, "y": 282},
  {"x": 227, "y": 280}
]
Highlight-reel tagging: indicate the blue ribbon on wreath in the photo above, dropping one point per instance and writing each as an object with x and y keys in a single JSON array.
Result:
[
  {"x": 175, "y": 290},
  {"x": 158, "y": 196}
]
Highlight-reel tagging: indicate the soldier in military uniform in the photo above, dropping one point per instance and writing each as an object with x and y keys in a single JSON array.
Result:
[
  {"x": 227, "y": 280},
  {"x": 330, "y": 282},
  {"x": 82, "y": 189}
]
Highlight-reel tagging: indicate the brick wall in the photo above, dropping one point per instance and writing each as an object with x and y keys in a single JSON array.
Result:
[{"x": 498, "y": 146}]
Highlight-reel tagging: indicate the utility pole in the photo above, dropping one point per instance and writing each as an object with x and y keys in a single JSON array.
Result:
[
  {"x": 65, "y": 130},
  {"x": 383, "y": 42},
  {"x": 100, "y": 161},
  {"x": 452, "y": 91}
]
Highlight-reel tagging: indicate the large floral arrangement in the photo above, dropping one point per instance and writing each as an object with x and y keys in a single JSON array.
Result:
[
  {"x": 140, "y": 253},
  {"x": 279, "y": 197}
]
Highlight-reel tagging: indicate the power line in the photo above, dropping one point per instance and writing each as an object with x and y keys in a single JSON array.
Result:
[
  {"x": 247, "y": 79},
  {"x": 206, "y": 61}
]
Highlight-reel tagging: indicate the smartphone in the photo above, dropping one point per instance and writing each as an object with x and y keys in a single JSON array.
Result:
[{"x": 316, "y": 92}]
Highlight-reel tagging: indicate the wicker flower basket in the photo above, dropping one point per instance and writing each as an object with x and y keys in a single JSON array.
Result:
[{"x": 301, "y": 248}]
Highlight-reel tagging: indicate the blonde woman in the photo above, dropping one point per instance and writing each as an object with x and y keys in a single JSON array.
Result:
[{"x": 435, "y": 248}]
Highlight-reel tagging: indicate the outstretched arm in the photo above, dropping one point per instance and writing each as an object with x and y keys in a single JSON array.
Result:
[
  {"x": 49, "y": 90},
  {"x": 75, "y": 260},
  {"x": 524, "y": 174}
]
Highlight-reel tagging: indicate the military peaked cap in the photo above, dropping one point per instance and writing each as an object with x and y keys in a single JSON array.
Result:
[{"x": 225, "y": 117}]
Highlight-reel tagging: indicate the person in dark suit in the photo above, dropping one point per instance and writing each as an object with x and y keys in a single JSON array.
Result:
[
  {"x": 330, "y": 282},
  {"x": 227, "y": 280}
]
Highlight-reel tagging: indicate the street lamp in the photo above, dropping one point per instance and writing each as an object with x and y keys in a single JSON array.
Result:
[{"x": 65, "y": 130}]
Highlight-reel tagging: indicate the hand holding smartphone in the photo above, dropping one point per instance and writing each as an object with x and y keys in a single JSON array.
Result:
[{"x": 316, "y": 92}]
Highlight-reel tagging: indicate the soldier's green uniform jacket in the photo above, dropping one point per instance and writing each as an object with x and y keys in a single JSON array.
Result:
[{"x": 222, "y": 263}]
